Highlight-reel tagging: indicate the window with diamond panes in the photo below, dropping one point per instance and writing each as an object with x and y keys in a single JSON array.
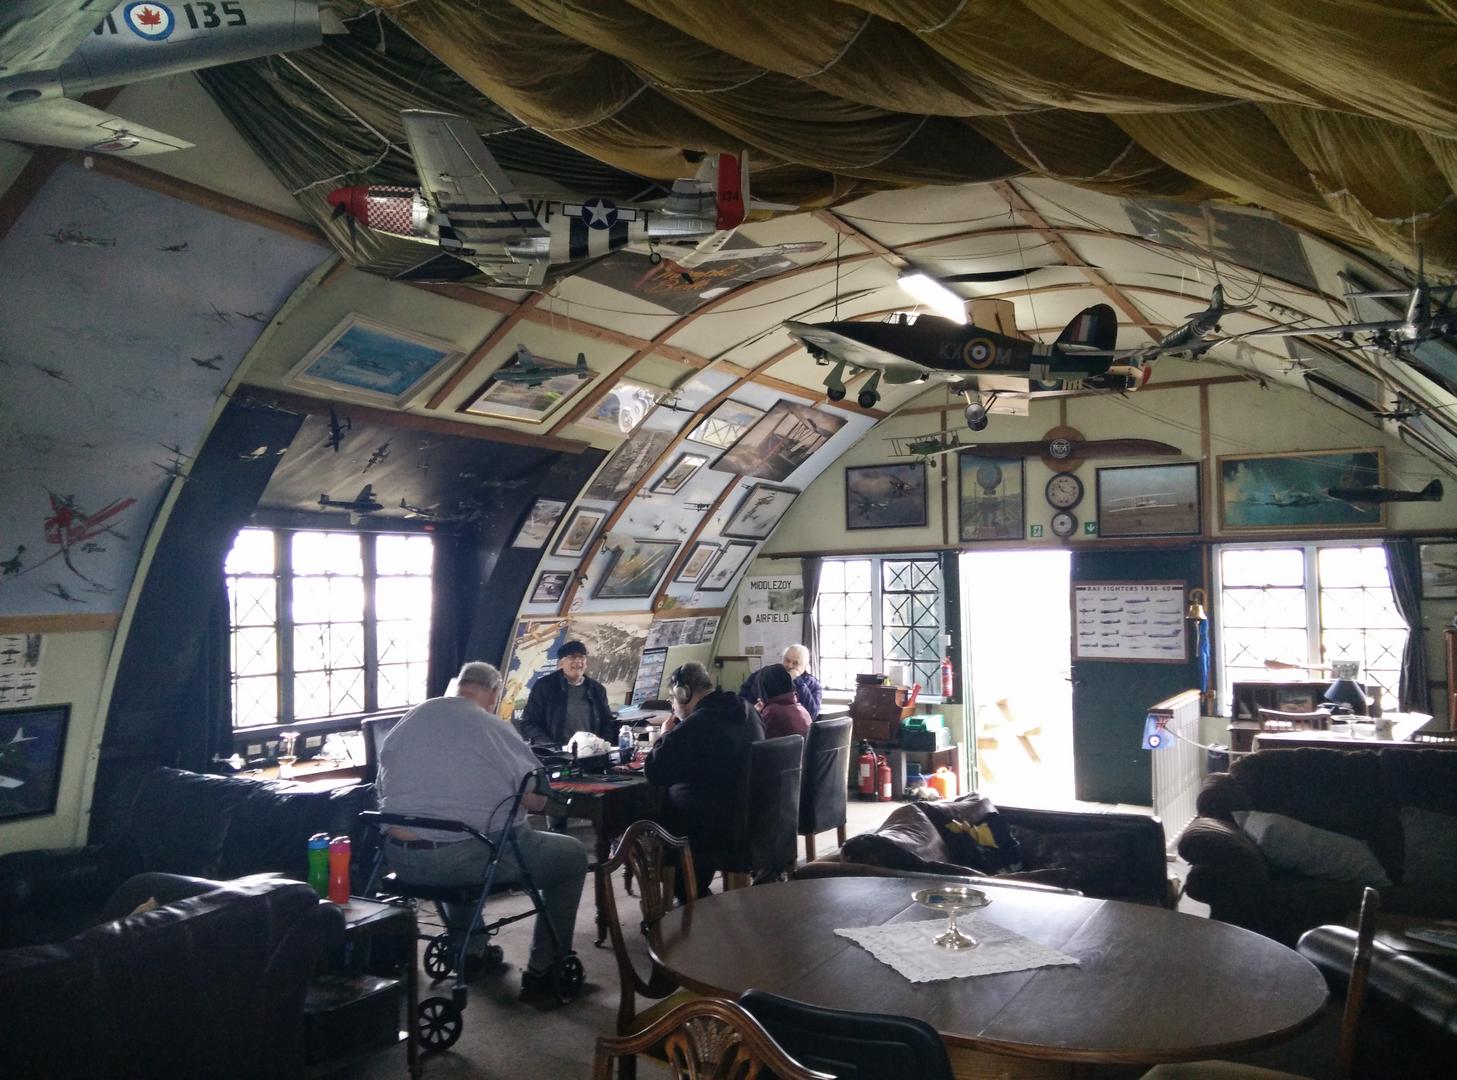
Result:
[
  {"x": 910, "y": 605},
  {"x": 327, "y": 623},
  {"x": 875, "y": 612},
  {"x": 1308, "y": 604}
]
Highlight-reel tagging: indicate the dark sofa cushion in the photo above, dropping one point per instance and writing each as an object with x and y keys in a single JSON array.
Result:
[
  {"x": 1422, "y": 777},
  {"x": 1431, "y": 849},
  {"x": 269, "y": 829},
  {"x": 177, "y": 820},
  {"x": 906, "y": 840},
  {"x": 1221, "y": 797},
  {"x": 1338, "y": 790},
  {"x": 975, "y": 834},
  {"x": 1212, "y": 842},
  {"x": 1095, "y": 862}
]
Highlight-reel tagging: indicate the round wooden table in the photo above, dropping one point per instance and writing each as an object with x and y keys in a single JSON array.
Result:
[{"x": 1151, "y": 986}]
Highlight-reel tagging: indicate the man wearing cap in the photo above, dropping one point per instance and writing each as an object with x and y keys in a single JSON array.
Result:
[
  {"x": 452, "y": 757},
  {"x": 567, "y": 701}
]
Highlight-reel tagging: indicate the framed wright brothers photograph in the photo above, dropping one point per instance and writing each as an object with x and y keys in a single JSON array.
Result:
[
  {"x": 702, "y": 554},
  {"x": 550, "y": 584},
  {"x": 989, "y": 505},
  {"x": 32, "y": 745},
  {"x": 581, "y": 527},
  {"x": 886, "y": 496},
  {"x": 539, "y": 523},
  {"x": 759, "y": 511},
  {"x": 780, "y": 442},
  {"x": 363, "y": 359},
  {"x": 1149, "y": 500},
  {"x": 679, "y": 473},
  {"x": 635, "y": 569},
  {"x": 726, "y": 567},
  {"x": 1293, "y": 490},
  {"x": 508, "y": 399}
]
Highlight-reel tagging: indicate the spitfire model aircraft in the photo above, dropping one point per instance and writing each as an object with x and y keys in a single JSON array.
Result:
[
  {"x": 361, "y": 504},
  {"x": 466, "y": 205},
  {"x": 523, "y": 369},
  {"x": 930, "y": 347},
  {"x": 101, "y": 45}
]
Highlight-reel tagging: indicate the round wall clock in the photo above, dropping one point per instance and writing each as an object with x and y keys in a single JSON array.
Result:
[
  {"x": 1064, "y": 491},
  {"x": 1064, "y": 524}
]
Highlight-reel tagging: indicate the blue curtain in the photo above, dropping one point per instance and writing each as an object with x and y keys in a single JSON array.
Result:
[{"x": 1403, "y": 566}]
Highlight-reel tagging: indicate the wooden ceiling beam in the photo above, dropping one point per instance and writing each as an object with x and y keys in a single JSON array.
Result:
[{"x": 860, "y": 236}]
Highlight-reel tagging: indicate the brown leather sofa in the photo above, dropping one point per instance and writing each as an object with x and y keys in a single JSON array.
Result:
[
  {"x": 210, "y": 984},
  {"x": 1112, "y": 856},
  {"x": 176, "y": 822},
  {"x": 1361, "y": 794}
]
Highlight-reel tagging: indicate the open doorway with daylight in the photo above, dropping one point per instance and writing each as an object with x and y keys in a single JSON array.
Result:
[{"x": 1016, "y": 635}]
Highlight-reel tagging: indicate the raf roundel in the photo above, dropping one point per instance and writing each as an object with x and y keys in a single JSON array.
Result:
[
  {"x": 979, "y": 353},
  {"x": 154, "y": 22}
]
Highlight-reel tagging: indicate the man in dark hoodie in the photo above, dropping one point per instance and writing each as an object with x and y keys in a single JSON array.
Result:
[{"x": 698, "y": 756}]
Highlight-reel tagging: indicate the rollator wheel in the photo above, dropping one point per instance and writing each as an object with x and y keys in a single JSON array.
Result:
[
  {"x": 438, "y": 957},
  {"x": 567, "y": 978},
  {"x": 437, "y": 1024}
]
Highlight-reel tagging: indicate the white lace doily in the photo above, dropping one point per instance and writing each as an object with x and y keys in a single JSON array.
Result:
[{"x": 908, "y": 948}]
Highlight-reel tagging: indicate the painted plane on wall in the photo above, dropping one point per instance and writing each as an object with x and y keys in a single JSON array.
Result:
[
  {"x": 467, "y": 205},
  {"x": 363, "y": 503},
  {"x": 929, "y": 347},
  {"x": 101, "y": 44}
]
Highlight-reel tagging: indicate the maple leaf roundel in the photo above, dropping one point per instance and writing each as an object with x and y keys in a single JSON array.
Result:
[{"x": 154, "y": 22}]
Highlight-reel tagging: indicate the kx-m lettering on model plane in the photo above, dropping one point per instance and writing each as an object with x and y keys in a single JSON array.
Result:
[
  {"x": 100, "y": 44},
  {"x": 468, "y": 206},
  {"x": 929, "y": 347}
]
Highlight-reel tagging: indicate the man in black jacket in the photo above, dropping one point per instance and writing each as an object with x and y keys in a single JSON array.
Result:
[
  {"x": 567, "y": 701},
  {"x": 698, "y": 757}
]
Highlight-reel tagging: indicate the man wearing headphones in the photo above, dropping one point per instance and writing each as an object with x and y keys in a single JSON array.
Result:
[{"x": 697, "y": 757}]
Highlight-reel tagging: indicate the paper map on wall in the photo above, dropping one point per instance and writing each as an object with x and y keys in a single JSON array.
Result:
[
  {"x": 699, "y": 631},
  {"x": 20, "y": 667},
  {"x": 1134, "y": 620}
]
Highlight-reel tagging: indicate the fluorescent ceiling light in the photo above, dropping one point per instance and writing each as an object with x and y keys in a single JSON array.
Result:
[{"x": 935, "y": 296}]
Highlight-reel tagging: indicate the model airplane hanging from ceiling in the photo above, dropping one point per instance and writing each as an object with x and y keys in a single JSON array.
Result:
[
  {"x": 929, "y": 347},
  {"x": 468, "y": 206},
  {"x": 111, "y": 44},
  {"x": 524, "y": 369}
]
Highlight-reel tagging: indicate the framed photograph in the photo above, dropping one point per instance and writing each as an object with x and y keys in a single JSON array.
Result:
[
  {"x": 363, "y": 359},
  {"x": 635, "y": 569},
  {"x": 1292, "y": 490},
  {"x": 550, "y": 585},
  {"x": 759, "y": 511},
  {"x": 32, "y": 745},
  {"x": 781, "y": 441},
  {"x": 679, "y": 473},
  {"x": 530, "y": 403},
  {"x": 542, "y": 519},
  {"x": 650, "y": 671},
  {"x": 1439, "y": 571},
  {"x": 581, "y": 527},
  {"x": 702, "y": 554},
  {"x": 726, "y": 424},
  {"x": 886, "y": 496},
  {"x": 990, "y": 498},
  {"x": 724, "y": 570},
  {"x": 622, "y": 408},
  {"x": 628, "y": 464},
  {"x": 1149, "y": 500}
]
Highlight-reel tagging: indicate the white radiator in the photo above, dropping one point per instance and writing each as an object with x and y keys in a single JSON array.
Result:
[{"x": 1178, "y": 767}]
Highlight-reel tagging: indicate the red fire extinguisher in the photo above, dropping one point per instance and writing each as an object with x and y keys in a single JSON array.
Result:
[
  {"x": 948, "y": 677},
  {"x": 882, "y": 778},
  {"x": 866, "y": 763}
]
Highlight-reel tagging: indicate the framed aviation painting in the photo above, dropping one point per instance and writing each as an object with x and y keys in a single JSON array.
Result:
[
  {"x": 725, "y": 569},
  {"x": 581, "y": 527},
  {"x": 886, "y": 496},
  {"x": 1293, "y": 491},
  {"x": 635, "y": 570},
  {"x": 366, "y": 360},
  {"x": 32, "y": 746},
  {"x": 990, "y": 503},
  {"x": 1149, "y": 500},
  {"x": 759, "y": 511}
]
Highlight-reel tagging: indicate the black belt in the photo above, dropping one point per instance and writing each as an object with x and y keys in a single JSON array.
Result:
[{"x": 420, "y": 845}]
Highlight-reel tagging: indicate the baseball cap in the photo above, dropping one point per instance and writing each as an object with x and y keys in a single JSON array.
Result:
[{"x": 572, "y": 648}]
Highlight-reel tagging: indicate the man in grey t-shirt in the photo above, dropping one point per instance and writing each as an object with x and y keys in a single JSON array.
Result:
[{"x": 452, "y": 757}]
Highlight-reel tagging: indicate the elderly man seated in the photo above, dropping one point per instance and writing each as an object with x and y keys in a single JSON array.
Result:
[
  {"x": 806, "y": 686},
  {"x": 453, "y": 757}
]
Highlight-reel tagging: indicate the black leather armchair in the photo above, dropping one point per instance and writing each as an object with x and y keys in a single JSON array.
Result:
[
  {"x": 824, "y": 781},
  {"x": 176, "y": 822},
  {"x": 767, "y": 813},
  {"x": 212, "y": 984}
]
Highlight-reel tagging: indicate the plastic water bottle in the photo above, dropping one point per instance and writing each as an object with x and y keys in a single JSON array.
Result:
[
  {"x": 319, "y": 863},
  {"x": 339, "y": 870},
  {"x": 625, "y": 741}
]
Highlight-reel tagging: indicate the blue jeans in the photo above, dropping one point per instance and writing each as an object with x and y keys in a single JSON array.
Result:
[{"x": 558, "y": 866}]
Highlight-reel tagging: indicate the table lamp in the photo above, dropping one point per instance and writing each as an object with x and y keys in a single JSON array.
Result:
[{"x": 1345, "y": 694}]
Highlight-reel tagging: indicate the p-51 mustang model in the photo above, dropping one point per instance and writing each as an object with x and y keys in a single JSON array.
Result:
[
  {"x": 930, "y": 347},
  {"x": 134, "y": 41},
  {"x": 467, "y": 205}
]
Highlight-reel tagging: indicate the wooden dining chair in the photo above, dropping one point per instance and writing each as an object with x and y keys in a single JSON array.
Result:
[
  {"x": 706, "y": 1039},
  {"x": 654, "y": 858},
  {"x": 1350, "y": 1016}
]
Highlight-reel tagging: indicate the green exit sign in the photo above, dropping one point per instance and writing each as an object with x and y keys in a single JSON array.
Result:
[
  {"x": 1090, "y": 528},
  {"x": 1036, "y": 531}
]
